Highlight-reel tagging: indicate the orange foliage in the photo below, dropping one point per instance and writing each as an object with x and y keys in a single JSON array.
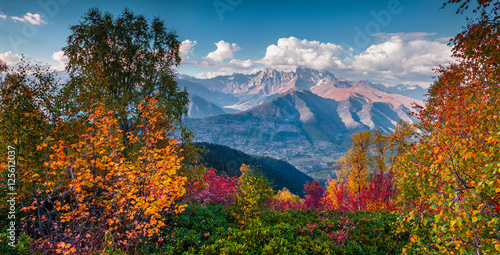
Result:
[{"x": 115, "y": 195}]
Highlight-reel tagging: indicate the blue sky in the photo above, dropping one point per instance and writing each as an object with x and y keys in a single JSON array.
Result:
[{"x": 386, "y": 41}]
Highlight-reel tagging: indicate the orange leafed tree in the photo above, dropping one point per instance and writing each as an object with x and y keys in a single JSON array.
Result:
[
  {"x": 354, "y": 166},
  {"x": 115, "y": 196},
  {"x": 449, "y": 181}
]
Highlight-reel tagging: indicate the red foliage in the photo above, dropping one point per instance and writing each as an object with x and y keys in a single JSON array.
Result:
[
  {"x": 342, "y": 199},
  {"x": 379, "y": 193},
  {"x": 214, "y": 189},
  {"x": 278, "y": 205},
  {"x": 325, "y": 225},
  {"x": 314, "y": 197}
]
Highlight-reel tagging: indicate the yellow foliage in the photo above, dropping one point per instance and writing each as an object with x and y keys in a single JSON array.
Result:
[
  {"x": 285, "y": 195},
  {"x": 122, "y": 192},
  {"x": 254, "y": 191},
  {"x": 354, "y": 166}
]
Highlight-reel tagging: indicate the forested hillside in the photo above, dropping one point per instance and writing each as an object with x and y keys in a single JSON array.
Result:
[{"x": 228, "y": 161}]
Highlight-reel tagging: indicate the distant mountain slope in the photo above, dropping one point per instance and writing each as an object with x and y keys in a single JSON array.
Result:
[
  {"x": 413, "y": 91},
  {"x": 200, "y": 108},
  {"x": 227, "y": 160},
  {"x": 300, "y": 127}
]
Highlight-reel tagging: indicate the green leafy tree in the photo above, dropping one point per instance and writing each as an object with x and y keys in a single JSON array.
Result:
[
  {"x": 28, "y": 119},
  {"x": 254, "y": 192},
  {"x": 119, "y": 61}
]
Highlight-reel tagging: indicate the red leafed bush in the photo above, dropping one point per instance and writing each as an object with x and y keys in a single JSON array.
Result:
[
  {"x": 379, "y": 193},
  {"x": 278, "y": 205},
  {"x": 314, "y": 198},
  {"x": 214, "y": 189}
]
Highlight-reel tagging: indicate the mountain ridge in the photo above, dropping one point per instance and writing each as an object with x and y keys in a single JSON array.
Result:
[{"x": 249, "y": 90}]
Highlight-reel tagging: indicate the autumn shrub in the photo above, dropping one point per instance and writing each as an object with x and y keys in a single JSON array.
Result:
[
  {"x": 314, "y": 199},
  {"x": 112, "y": 196},
  {"x": 252, "y": 196},
  {"x": 213, "y": 188},
  {"x": 339, "y": 198},
  {"x": 379, "y": 193},
  {"x": 449, "y": 179},
  {"x": 285, "y": 200}
]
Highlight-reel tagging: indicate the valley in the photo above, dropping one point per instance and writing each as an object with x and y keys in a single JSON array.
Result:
[{"x": 305, "y": 117}]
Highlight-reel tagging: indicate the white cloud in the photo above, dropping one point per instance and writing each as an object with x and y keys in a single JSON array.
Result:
[
  {"x": 15, "y": 18},
  {"x": 208, "y": 75},
  {"x": 403, "y": 58},
  {"x": 408, "y": 36},
  {"x": 243, "y": 64},
  {"x": 61, "y": 58},
  {"x": 3, "y": 16},
  {"x": 224, "y": 51},
  {"x": 34, "y": 19},
  {"x": 186, "y": 49},
  {"x": 396, "y": 61},
  {"x": 9, "y": 58},
  {"x": 220, "y": 59},
  {"x": 292, "y": 52}
]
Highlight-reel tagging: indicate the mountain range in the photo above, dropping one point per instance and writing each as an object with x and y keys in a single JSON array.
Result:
[
  {"x": 305, "y": 117},
  {"x": 239, "y": 92}
]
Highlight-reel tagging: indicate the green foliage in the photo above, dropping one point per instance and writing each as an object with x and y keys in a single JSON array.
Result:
[
  {"x": 193, "y": 228},
  {"x": 254, "y": 193},
  {"x": 22, "y": 246},
  {"x": 121, "y": 60},
  {"x": 212, "y": 230}
]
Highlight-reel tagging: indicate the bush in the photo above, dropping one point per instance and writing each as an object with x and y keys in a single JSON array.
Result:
[{"x": 213, "y": 230}]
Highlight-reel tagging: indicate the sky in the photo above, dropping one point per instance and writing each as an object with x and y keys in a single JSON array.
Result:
[{"x": 383, "y": 41}]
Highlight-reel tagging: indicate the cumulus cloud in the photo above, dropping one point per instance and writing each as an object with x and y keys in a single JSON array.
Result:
[
  {"x": 34, "y": 19},
  {"x": 396, "y": 60},
  {"x": 292, "y": 52},
  {"x": 223, "y": 59},
  {"x": 186, "y": 49},
  {"x": 224, "y": 51},
  {"x": 402, "y": 58},
  {"x": 61, "y": 58},
  {"x": 9, "y": 58}
]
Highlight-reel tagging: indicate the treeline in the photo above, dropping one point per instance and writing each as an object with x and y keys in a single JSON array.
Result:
[{"x": 228, "y": 161}]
